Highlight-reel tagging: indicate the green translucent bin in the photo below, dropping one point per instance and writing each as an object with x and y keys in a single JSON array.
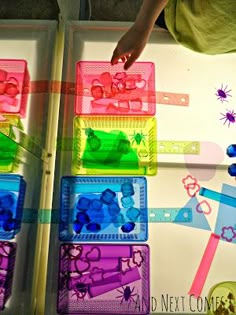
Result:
[
  {"x": 114, "y": 145},
  {"x": 10, "y": 150}
]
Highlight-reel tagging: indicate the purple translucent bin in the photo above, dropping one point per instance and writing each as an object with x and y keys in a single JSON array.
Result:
[
  {"x": 103, "y": 279},
  {"x": 7, "y": 263}
]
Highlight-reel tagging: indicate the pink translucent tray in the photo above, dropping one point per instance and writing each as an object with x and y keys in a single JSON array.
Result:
[
  {"x": 109, "y": 90},
  {"x": 14, "y": 86}
]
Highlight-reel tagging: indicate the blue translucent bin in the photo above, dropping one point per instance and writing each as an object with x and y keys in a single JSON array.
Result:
[
  {"x": 12, "y": 194},
  {"x": 103, "y": 209}
]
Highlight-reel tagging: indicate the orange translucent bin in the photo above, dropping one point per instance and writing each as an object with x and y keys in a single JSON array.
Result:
[
  {"x": 14, "y": 86},
  {"x": 109, "y": 90}
]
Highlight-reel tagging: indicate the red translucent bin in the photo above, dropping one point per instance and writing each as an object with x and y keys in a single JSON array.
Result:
[
  {"x": 14, "y": 86},
  {"x": 109, "y": 90}
]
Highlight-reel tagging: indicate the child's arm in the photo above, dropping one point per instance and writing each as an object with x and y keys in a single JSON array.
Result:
[{"x": 133, "y": 42}]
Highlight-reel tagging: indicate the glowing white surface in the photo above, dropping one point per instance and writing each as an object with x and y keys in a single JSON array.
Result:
[{"x": 176, "y": 250}]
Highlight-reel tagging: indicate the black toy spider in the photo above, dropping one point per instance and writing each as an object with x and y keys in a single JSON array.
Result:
[
  {"x": 81, "y": 290},
  {"x": 126, "y": 295}
]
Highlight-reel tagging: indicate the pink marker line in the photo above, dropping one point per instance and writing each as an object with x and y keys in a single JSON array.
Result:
[{"x": 204, "y": 266}]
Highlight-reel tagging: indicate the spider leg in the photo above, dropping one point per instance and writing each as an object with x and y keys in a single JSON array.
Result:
[
  {"x": 221, "y": 99},
  {"x": 225, "y": 90},
  {"x": 120, "y": 291},
  {"x": 119, "y": 296},
  {"x": 78, "y": 297},
  {"x": 225, "y": 120},
  {"x": 133, "y": 294},
  {"x": 129, "y": 303},
  {"x": 132, "y": 291},
  {"x": 131, "y": 299}
]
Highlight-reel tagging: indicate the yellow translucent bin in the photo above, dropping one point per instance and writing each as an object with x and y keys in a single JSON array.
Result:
[
  {"x": 10, "y": 151},
  {"x": 114, "y": 145}
]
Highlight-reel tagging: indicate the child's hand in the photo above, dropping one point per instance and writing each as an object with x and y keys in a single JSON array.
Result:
[{"x": 130, "y": 47}]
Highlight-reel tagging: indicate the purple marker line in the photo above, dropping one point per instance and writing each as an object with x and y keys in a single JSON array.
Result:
[
  {"x": 106, "y": 251},
  {"x": 129, "y": 277}
]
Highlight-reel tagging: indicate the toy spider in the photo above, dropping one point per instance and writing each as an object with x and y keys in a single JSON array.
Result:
[
  {"x": 229, "y": 116},
  {"x": 138, "y": 138},
  {"x": 222, "y": 94},
  {"x": 81, "y": 290},
  {"x": 126, "y": 295}
]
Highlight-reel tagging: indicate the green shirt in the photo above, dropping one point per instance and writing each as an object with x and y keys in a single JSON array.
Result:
[{"x": 207, "y": 26}]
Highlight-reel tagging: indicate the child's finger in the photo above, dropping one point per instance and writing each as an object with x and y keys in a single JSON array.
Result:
[
  {"x": 116, "y": 56},
  {"x": 131, "y": 60}
]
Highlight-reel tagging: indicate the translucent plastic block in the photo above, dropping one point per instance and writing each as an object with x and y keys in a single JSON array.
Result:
[
  {"x": 10, "y": 151},
  {"x": 232, "y": 170},
  {"x": 231, "y": 150},
  {"x": 114, "y": 145},
  {"x": 7, "y": 263},
  {"x": 106, "y": 279},
  {"x": 14, "y": 86},
  {"x": 12, "y": 194},
  {"x": 100, "y": 86},
  {"x": 102, "y": 217}
]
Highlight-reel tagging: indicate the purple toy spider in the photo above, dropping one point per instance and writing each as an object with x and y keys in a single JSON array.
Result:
[
  {"x": 126, "y": 295},
  {"x": 229, "y": 116},
  {"x": 222, "y": 93}
]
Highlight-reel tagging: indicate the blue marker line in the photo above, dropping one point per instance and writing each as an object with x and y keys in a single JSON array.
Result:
[{"x": 214, "y": 195}]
